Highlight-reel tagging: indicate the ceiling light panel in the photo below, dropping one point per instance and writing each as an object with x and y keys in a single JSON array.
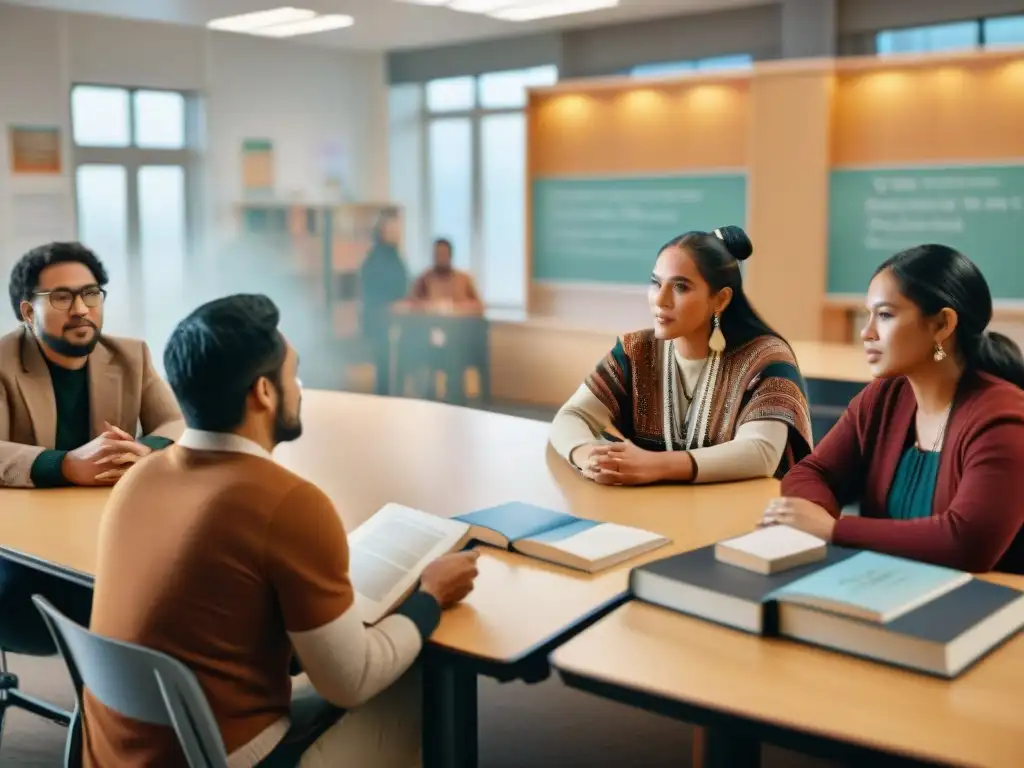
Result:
[
  {"x": 247, "y": 22},
  {"x": 282, "y": 22},
  {"x": 547, "y": 10},
  {"x": 324, "y": 23},
  {"x": 520, "y": 10}
]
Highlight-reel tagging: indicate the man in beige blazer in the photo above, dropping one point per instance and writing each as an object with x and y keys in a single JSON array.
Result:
[
  {"x": 71, "y": 404},
  {"x": 72, "y": 401}
]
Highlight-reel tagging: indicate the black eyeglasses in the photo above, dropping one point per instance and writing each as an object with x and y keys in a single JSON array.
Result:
[{"x": 62, "y": 299}]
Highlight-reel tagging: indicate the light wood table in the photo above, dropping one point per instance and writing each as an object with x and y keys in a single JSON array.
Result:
[
  {"x": 802, "y": 697},
  {"x": 366, "y": 451},
  {"x": 825, "y": 361}
]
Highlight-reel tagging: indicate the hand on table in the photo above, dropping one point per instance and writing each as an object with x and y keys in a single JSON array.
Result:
[
  {"x": 104, "y": 460},
  {"x": 801, "y": 514},
  {"x": 620, "y": 464},
  {"x": 450, "y": 578}
]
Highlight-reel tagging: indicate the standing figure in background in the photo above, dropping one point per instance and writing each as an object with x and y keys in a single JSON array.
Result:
[
  {"x": 383, "y": 280},
  {"x": 443, "y": 285}
]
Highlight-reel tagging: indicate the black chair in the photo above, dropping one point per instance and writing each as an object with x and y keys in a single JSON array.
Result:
[{"x": 23, "y": 632}]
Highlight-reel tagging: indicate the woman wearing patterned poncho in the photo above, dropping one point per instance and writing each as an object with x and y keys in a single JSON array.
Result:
[{"x": 710, "y": 394}]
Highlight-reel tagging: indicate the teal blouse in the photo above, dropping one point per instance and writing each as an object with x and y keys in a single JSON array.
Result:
[{"x": 913, "y": 486}]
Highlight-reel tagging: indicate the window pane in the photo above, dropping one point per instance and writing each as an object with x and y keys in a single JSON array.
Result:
[
  {"x": 508, "y": 89},
  {"x": 737, "y": 61},
  {"x": 1005, "y": 30},
  {"x": 938, "y": 37},
  {"x": 451, "y": 185},
  {"x": 99, "y": 116},
  {"x": 451, "y": 94},
  {"x": 503, "y": 154},
  {"x": 162, "y": 244},
  {"x": 663, "y": 68},
  {"x": 159, "y": 120},
  {"x": 102, "y": 196}
]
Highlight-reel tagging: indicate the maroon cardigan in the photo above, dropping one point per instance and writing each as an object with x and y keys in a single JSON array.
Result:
[{"x": 978, "y": 509}]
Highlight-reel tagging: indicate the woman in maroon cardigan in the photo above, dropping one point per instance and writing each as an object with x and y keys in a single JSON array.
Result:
[{"x": 933, "y": 449}]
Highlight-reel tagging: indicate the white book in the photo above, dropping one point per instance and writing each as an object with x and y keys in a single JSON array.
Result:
[{"x": 772, "y": 549}]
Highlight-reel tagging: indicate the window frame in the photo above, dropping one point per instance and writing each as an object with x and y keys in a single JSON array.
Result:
[
  {"x": 133, "y": 158},
  {"x": 980, "y": 24},
  {"x": 477, "y": 256}
]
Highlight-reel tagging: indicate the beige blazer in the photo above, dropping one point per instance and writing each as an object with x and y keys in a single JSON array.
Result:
[{"x": 124, "y": 389}]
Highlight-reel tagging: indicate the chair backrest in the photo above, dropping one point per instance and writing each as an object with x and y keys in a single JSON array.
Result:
[{"x": 140, "y": 684}]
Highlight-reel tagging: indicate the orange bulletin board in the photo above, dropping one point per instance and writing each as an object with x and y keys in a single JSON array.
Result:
[{"x": 35, "y": 149}]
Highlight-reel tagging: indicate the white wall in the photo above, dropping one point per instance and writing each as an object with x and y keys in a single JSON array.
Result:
[{"x": 304, "y": 98}]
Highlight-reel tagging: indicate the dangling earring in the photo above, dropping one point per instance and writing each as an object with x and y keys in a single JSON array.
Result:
[
  {"x": 940, "y": 354},
  {"x": 717, "y": 341}
]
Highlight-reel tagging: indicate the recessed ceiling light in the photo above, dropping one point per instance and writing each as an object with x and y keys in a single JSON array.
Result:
[
  {"x": 479, "y": 6},
  {"x": 546, "y": 10},
  {"x": 247, "y": 22},
  {"x": 323, "y": 23}
]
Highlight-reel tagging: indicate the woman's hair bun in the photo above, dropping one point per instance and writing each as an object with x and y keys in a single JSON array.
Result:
[{"x": 736, "y": 241}]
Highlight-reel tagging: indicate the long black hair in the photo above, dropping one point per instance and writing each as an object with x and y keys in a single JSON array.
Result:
[
  {"x": 718, "y": 255},
  {"x": 935, "y": 277}
]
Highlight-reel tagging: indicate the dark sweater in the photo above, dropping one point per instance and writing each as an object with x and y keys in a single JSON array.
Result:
[
  {"x": 74, "y": 425},
  {"x": 977, "y": 515}
]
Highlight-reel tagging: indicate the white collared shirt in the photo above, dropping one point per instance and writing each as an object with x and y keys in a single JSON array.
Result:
[{"x": 228, "y": 442}]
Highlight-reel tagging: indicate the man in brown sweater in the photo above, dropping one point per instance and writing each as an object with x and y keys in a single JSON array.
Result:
[{"x": 214, "y": 554}]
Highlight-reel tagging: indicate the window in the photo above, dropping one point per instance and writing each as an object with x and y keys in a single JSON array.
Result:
[
  {"x": 994, "y": 31},
  {"x": 451, "y": 185},
  {"x": 452, "y": 94},
  {"x": 738, "y": 61},
  {"x": 159, "y": 119},
  {"x": 654, "y": 69},
  {"x": 1003, "y": 30},
  {"x": 508, "y": 89},
  {"x": 503, "y": 219},
  {"x": 473, "y": 160},
  {"x": 936, "y": 37},
  {"x": 100, "y": 117},
  {"x": 133, "y": 169}
]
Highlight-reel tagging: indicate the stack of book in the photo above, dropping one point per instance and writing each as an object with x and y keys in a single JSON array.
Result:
[{"x": 780, "y": 581}]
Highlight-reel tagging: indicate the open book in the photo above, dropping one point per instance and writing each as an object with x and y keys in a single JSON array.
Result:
[{"x": 390, "y": 550}]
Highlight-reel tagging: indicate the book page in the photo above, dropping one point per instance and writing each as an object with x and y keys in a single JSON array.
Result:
[
  {"x": 774, "y": 542},
  {"x": 395, "y": 545},
  {"x": 604, "y": 540}
]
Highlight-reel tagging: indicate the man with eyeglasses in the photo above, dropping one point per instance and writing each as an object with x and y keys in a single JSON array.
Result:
[
  {"x": 71, "y": 404},
  {"x": 71, "y": 399}
]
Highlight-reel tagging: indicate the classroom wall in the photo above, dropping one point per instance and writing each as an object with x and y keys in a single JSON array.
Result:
[
  {"x": 791, "y": 127},
  {"x": 301, "y": 97},
  {"x": 599, "y": 131}
]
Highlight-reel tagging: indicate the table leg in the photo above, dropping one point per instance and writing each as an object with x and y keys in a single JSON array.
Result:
[
  {"x": 450, "y": 728},
  {"x": 725, "y": 748}
]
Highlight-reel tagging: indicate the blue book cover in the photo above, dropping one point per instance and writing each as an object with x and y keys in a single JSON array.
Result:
[
  {"x": 517, "y": 520},
  {"x": 872, "y": 586}
]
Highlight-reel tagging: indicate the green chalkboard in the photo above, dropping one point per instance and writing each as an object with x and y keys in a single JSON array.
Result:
[
  {"x": 979, "y": 210},
  {"x": 609, "y": 230}
]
